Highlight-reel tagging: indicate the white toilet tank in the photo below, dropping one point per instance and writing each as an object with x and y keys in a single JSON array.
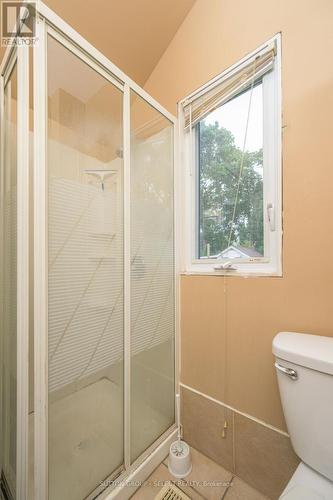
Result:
[{"x": 304, "y": 366}]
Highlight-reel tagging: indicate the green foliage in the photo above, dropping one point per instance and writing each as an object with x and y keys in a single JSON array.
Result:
[{"x": 220, "y": 161}]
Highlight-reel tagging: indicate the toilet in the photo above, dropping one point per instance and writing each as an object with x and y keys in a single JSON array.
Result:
[{"x": 304, "y": 367}]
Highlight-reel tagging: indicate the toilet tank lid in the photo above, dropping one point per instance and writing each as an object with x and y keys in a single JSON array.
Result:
[{"x": 311, "y": 351}]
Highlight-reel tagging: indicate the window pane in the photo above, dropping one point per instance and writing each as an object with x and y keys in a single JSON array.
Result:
[{"x": 231, "y": 182}]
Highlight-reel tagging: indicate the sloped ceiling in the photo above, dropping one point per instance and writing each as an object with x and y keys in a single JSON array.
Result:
[{"x": 132, "y": 33}]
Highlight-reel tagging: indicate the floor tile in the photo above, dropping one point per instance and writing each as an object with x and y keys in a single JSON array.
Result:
[
  {"x": 207, "y": 477},
  {"x": 239, "y": 490},
  {"x": 207, "y": 481},
  {"x": 156, "y": 481}
]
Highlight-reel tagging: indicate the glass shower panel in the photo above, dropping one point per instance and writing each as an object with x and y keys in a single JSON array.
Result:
[
  {"x": 9, "y": 285},
  {"x": 152, "y": 276},
  {"x": 85, "y": 277}
]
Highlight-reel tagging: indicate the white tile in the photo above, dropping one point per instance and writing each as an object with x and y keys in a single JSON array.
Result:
[{"x": 239, "y": 490}]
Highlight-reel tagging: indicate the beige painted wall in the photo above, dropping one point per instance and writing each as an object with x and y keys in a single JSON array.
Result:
[{"x": 229, "y": 356}]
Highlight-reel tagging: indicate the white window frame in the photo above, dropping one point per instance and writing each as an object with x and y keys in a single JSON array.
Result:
[{"x": 271, "y": 263}]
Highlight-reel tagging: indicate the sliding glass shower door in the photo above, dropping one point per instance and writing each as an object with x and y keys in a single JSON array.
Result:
[
  {"x": 85, "y": 275},
  {"x": 88, "y": 318},
  {"x": 152, "y": 383}
]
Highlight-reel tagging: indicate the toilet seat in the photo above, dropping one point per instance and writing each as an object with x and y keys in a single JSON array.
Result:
[{"x": 299, "y": 492}]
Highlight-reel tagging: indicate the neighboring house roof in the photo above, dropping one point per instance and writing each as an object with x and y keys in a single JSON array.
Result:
[{"x": 241, "y": 251}]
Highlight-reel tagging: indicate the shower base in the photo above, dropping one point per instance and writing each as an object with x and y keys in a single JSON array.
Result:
[{"x": 85, "y": 439}]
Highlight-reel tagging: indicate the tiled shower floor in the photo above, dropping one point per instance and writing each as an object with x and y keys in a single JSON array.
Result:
[{"x": 207, "y": 480}]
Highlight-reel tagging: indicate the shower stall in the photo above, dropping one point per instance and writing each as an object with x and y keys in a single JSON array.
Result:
[{"x": 88, "y": 293}]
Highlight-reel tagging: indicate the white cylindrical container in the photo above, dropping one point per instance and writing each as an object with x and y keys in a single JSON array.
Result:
[{"x": 179, "y": 463}]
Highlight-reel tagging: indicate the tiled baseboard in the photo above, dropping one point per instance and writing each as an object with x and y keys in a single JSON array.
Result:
[{"x": 258, "y": 454}]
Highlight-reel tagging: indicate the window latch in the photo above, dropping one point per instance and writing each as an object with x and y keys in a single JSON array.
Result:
[
  {"x": 226, "y": 266},
  {"x": 271, "y": 216}
]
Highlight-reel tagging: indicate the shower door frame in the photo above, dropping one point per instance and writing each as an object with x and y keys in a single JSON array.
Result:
[
  {"x": 19, "y": 56},
  {"x": 47, "y": 22}
]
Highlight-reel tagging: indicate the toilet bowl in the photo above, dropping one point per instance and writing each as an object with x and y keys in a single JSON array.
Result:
[
  {"x": 307, "y": 484},
  {"x": 304, "y": 367}
]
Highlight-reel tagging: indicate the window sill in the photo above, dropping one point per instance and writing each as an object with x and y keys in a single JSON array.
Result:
[{"x": 254, "y": 272}]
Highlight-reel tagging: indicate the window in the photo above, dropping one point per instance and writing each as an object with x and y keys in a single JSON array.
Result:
[{"x": 232, "y": 150}]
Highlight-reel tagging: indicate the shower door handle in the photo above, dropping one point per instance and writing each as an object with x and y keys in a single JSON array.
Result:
[{"x": 287, "y": 371}]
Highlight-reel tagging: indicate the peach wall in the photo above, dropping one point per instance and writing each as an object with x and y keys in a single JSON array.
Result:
[{"x": 226, "y": 339}]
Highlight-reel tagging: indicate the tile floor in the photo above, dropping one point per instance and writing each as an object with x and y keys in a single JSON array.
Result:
[{"x": 207, "y": 480}]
